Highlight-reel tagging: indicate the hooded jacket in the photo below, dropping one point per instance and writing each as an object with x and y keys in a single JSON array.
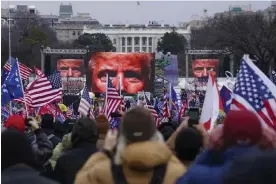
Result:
[
  {"x": 137, "y": 160},
  {"x": 210, "y": 167},
  {"x": 65, "y": 144}
]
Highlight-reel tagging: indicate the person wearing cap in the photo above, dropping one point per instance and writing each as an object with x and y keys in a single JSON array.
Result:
[
  {"x": 103, "y": 126},
  {"x": 84, "y": 137},
  {"x": 239, "y": 136},
  {"x": 140, "y": 155}
]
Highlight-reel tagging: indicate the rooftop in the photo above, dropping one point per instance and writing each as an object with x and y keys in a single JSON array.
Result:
[{"x": 66, "y": 9}]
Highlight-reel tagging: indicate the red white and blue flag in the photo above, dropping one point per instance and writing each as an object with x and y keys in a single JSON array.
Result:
[
  {"x": 113, "y": 99},
  {"x": 150, "y": 107},
  {"x": 165, "y": 109},
  {"x": 255, "y": 92}
]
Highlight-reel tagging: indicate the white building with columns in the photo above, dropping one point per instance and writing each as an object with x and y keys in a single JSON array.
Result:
[{"x": 136, "y": 38}]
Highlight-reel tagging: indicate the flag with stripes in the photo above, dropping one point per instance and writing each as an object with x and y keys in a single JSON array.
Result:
[
  {"x": 38, "y": 73},
  {"x": 166, "y": 112},
  {"x": 150, "y": 107},
  {"x": 24, "y": 70},
  {"x": 85, "y": 102},
  {"x": 226, "y": 97},
  {"x": 91, "y": 114},
  {"x": 123, "y": 105},
  {"x": 255, "y": 92},
  {"x": 113, "y": 99},
  {"x": 182, "y": 110},
  {"x": 45, "y": 90},
  {"x": 70, "y": 111}
]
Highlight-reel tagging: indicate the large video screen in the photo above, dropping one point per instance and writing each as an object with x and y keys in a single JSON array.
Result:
[
  {"x": 70, "y": 67},
  {"x": 202, "y": 67},
  {"x": 134, "y": 71}
]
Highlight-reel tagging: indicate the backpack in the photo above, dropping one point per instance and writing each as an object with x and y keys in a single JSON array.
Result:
[{"x": 119, "y": 177}]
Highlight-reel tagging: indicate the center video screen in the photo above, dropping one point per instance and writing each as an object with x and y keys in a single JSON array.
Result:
[{"x": 130, "y": 72}]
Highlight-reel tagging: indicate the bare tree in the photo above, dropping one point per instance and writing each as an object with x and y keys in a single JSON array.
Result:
[
  {"x": 247, "y": 33},
  {"x": 27, "y": 35}
]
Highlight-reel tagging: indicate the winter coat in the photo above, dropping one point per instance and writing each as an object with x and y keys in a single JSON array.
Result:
[
  {"x": 51, "y": 136},
  {"x": 64, "y": 145},
  {"x": 72, "y": 161},
  {"x": 22, "y": 174},
  {"x": 138, "y": 162},
  {"x": 41, "y": 146},
  {"x": 210, "y": 167}
]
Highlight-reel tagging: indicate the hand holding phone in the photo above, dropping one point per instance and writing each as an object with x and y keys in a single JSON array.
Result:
[{"x": 193, "y": 114}]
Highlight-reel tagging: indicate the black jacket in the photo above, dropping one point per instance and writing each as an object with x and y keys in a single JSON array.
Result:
[
  {"x": 23, "y": 174},
  {"x": 41, "y": 146},
  {"x": 51, "y": 136},
  {"x": 72, "y": 161}
]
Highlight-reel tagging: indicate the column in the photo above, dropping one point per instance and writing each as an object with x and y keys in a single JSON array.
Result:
[
  {"x": 140, "y": 42},
  {"x": 126, "y": 44},
  {"x": 133, "y": 44},
  {"x": 153, "y": 44},
  {"x": 147, "y": 44},
  {"x": 119, "y": 45}
]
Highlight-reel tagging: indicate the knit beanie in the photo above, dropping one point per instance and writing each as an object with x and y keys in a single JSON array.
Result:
[
  {"x": 15, "y": 121},
  {"x": 241, "y": 128},
  {"x": 102, "y": 124},
  {"x": 138, "y": 125},
  {"x": 84, "y": 130}
]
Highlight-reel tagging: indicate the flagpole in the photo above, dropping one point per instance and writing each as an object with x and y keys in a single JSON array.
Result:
[
  {"x": 22, "y": 88},
  {"x": 106, "y": 95},
  {"x": 9, "y": 22},
  {"x": 170, "y": 98}
]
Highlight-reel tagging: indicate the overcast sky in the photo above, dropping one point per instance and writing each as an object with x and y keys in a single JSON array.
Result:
[{"x": 129, "y": 12}]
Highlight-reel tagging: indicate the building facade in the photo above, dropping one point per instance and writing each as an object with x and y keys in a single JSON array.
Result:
[{"x": 136, "y": 38}]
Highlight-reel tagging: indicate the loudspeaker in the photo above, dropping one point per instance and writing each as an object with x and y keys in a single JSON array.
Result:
[{"x": 47, "y": 65}]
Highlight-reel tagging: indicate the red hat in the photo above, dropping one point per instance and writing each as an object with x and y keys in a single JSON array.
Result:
[
  {"x": 15, "y": 121},
  {"x": 241, "y": 127}
]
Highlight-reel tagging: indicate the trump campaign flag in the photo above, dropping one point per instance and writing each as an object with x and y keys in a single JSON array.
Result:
[
  {"x": 12, "y": 87},
  {"x": 212, "y": 104},
  {"x": 254, "y": 91},
  {"x": 226, "y": 97}
]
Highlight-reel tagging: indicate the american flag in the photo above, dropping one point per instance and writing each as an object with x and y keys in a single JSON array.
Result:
[
  {"x": 24, "y": 70},
  {"x": 253, "y": 91},
  {"x": 27, "y": 97},
  {"x": 39, "y": 73},
  {"x": 273, "y": 77},
  {"x": 91, "y": 114},
  {"x": 182, "y": 110},
  {"x": 45, "y": 90},
  {"x": 113, "y": 99},
  {"x": 70, "y": 111},
  {"x": 152, "y": 110},
  {"x": 114, "y": 123},
  {"x": 123, "y": 105},
  {"x": 85, "y": 102},
  {"x": 166, "y": 112}
]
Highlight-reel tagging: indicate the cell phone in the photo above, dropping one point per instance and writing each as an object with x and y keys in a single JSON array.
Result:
[{"x": 193, "y": 114}]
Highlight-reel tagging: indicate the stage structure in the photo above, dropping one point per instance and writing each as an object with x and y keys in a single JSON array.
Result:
[
  {"x": 208, "y": 52},
  {"x": 72, "y": 85}
]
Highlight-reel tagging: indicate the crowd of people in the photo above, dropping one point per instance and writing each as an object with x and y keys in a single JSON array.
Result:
[{"x": 88, "y": 151}]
